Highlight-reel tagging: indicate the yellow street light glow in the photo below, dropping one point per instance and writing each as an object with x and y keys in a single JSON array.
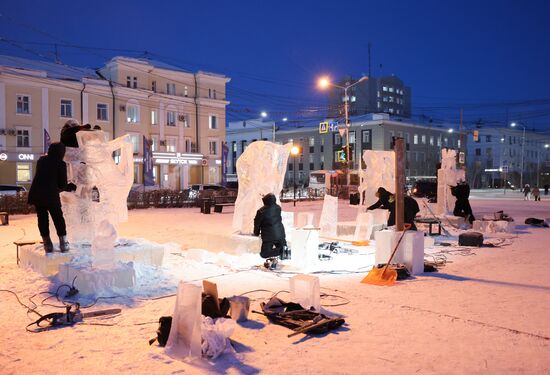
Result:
[
  {"x": 295, "y": 150},
  {"x": 323, "y": 82}
]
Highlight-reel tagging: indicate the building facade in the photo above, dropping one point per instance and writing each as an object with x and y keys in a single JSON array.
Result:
[
  {"x": 375, "y": 95},
  {"x": 495, "y": 155},
  {"x": 181, "y": 113}
]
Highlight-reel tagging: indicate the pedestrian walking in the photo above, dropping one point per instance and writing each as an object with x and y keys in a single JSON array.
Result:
[
  {"x": 536, "y": 193},
  {"x": 546, "y": 188},
  {"x": 526, "y": 192}
]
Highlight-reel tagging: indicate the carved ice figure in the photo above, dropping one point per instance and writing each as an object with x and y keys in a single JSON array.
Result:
[
  {"x": 379, "y": 172},
  {"x": 102, "y": 183},
  {"x": 103, "y": 244},
  {"x": 447, "y": 176},
  {"x": 329, "y": 217},
  {"x": 261, "y": 170}
]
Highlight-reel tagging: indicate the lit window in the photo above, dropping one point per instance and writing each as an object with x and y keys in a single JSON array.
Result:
[
  {"x": 23, "y": 104},
  {"x": 390, "y": 110},
  {"x": 391, "y": 99},
  {"x": 188, "y": 144},
  {"x": 171, "y": 143},
  {"x": 431, "y": 140},
  {"x": 154, "y": 117},
  {"x": 154, "y": 86},
  {"x": 186, "y": 123},
  {"x": 365, "y": 134},
  {"x": 134, "y": 138},
  {"x": 154, "y": 143},
  {"x": 311, "y": 141},
  {"x": 23, "y": 138},
  {"x": 439, "y": 141},
  {"x": 128, "y": 81},
  {"x": 185, "y": 93},
  {"x": 384, "y": 88},
  {"x": 24, "y": 172},
  {"x": 385, "y": 99},
  {"x": 102, "y": 112},
  {"x": 66, "y": 108},
  {"x": 132, "y": 113},
  {"x": 212, "y": 147},
  {"x": 212, "y": 122},
  {"x": 415, "y": 139},
  {"x": 378, "y": 104},
  {"x": 391, "y": 89},
  {"x": 170, "y": 118},
  {"x": 423, "y": 139}
]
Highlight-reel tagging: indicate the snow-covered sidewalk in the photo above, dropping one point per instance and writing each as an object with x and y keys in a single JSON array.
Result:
[{"x": 485, "y": 311}]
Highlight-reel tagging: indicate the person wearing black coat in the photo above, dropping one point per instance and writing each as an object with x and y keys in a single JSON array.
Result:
[
  {"x": 462, "y": 206},
  {"x": 269, "y": 224},
  {"x": 383, "y": 200},
  {"x": 386, "y": 200},
  {"x": 50, "y": 179}
]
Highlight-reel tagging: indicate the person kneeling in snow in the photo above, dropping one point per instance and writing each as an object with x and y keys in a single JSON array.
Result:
[
  {"x": 49, "y": 180},
  {"x": 269, "y": 223}
]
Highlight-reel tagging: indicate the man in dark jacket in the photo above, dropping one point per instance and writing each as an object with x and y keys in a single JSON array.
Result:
[
  {"x": 50, "y": 179},
  {"x": 462, "y": 206},
  {"x": 268, "y": 222},
  {"x": 386, "y": 200}
]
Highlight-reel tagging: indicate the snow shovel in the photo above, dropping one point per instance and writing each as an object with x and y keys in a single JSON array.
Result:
[{"x": 386, "y": 275}]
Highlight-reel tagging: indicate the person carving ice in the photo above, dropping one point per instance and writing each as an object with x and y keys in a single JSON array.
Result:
[
  {"x": 462, "y": 205},
  {"x": 50, "y": 179},
  {"x": 386, "y": 200},
  {"x": 269, "y": 224}
]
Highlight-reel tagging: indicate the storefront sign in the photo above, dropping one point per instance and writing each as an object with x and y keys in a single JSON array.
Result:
[
  {"x": 3, "y": 157},
  {"x": 25, "y": 157}
]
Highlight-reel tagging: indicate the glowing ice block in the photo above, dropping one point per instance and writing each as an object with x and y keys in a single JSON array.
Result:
[
  {"x": 410, "y": 252},
  {"x": 261, "y": 170},
  {"x": 379, "y": 172},
  {"x": 364, "y": 226},
  {"x": 306, "y": 290},
  {"x": 329, "y": 217},
  {"x": 184, "y": 341},
  {"x": 34, "y": 257},
  {"x": 103, "y": 183},
  {"x": 447, "y": 176},
  {"x": 305, "y": 248},
  {"x": 98, "y": 281}
]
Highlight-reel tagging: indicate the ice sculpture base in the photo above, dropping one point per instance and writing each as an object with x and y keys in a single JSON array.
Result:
[
  {"x": 305, "y": 248},
  {"x": 492, "y": 226},
  {"x": 34, "y": 257},
  {"x": 91, "y": 280},
  {"x": 234, "y": 244},
  {"x": 410, "y": 252}
]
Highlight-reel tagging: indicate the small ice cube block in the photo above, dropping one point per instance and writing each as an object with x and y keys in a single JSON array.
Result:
[{"x": 306, "y": 290}]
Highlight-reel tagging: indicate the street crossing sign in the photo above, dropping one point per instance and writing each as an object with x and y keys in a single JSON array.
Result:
[{"x": 323, "y": 127}]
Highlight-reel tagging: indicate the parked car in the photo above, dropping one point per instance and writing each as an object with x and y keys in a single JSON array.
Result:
[
  {"x": 11, "y": 189},
  {"x": 424, "y": 189},
  {"x": 196, "y": 190}
]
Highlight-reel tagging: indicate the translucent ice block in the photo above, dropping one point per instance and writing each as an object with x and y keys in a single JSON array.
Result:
[{"x": 306, "y": 290}]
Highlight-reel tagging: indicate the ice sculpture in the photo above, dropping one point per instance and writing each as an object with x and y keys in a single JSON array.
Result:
[
  {"x": 103, "y": 183},
  {"x": 447, "y": 176},
  {"x": 379, "y": 172},
  {"x": 329, "y": 217},
  {"x": 261, "y": 170},
  {"x": 103, "y": 244}
]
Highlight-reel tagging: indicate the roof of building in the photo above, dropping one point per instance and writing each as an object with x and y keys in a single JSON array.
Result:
[
  {"x": 51, "y": 69},
  {"x": 162, "y": 65}
]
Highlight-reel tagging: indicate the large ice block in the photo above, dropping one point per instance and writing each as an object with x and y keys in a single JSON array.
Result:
[
  {"x": 329, "y": 217},
  {"x": 184, "y": 341},
  {"x": 261, "y": 170},
  {"x": 90, "y": 280},
  {"x": 492, "y": 226},
  {"x": 447, "y": 176},
  {"x": 410, "y": 252},
  {"x": 103, "y": 245},
  {"x": 103, "y": 183},
  {"x": 305, "y": 248},
  {"x": 363, "y": 229},
  {"x": 379, "y": 172},
  {"x": 306, "y": 290},
  {"x": 34, "y": 257},
  {"x": 288, "y": 222}
]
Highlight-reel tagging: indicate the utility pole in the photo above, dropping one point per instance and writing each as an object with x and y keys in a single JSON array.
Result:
[{"x": 461, "y": 138}]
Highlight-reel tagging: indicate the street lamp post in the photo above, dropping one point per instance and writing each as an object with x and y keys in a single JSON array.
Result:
[
  {"x": 513, "y": 124},
  {"x": 295, "y": 150},
  {"x": 324, "y": 83}
]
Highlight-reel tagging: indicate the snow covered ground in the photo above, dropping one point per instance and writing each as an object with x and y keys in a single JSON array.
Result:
[{"x": 485, "y": 311}]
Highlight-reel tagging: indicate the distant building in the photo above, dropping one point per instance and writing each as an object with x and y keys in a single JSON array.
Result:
[
  {"x": 494, "y": 155},
  {"x": 182, "y": 113},
  {"x": 375, "y": 95}
]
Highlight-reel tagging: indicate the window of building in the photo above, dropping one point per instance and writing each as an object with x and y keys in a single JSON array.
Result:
[
  {"x": 23, "y": 104},
  {"x": 439, "y": 141},
  {"x": 23, "y": 138},
  {"x": 415, "y": 139},
  {"x": 186, "y": 123},
  {"x": 154, "y": 117},
  {"x": 214, "y": 94},
  {"x": 458, "y": 143},
  {"x": 478, "y": 151},
  {"x": 134, "y": 138},
  {"x": 243, "y": 146},
  {"x": 352, "y": 137},
  {"x": 155, "y": 143},
  {"x": 170, "y": 118},
  {"x": 128, "y": 81},
  {"x": 378, "y": 104},
  {"x": 154, "y": 86},
  {"x": 423, "y": 139},
  {"x": 488, "y": 138},
  {"x": 385, "y": 99},
  {"x": 384, "y": 88},
  {"x": 102, "y": 112},
  {"x": 391, "y": 99},
  {"x": 390, "y": 110},
  {"x": 489, "y": 151},
  {"x": 212, "y": 147},
  {"x": 171, "y": 88},
  {"x": 390, "y": 89},
  {"x": 365, "y": 136},
  {"x": 135, "y": 82},
  {"x": 212, "y": 122},
  {"x": 24, "y": 172},
  {"x": 185, "y": 91},
  {"x": 446, "y": 141},
  {"x": 171, "y": 144},
  {"x": 337, "y": 139},
  {"x": 132, "y": 113},
  {"x": 311, "y": 144},
  {"x": 66, "y": 108},
  {"x": 188, "y": 144},
  {"x": 209, "y": 93},
  {"x": 431, "y": 140},
  {"x": 407, "y": 138}
]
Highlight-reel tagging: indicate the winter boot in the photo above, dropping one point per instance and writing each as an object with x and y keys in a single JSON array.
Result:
[
  {"x": 48, "y": 245},
  {"x": 63, "y": 244},
  {"x": 271, "y": 263}
]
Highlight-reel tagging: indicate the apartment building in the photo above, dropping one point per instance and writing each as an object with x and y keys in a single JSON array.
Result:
[{"x": 182, "y": 113}]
